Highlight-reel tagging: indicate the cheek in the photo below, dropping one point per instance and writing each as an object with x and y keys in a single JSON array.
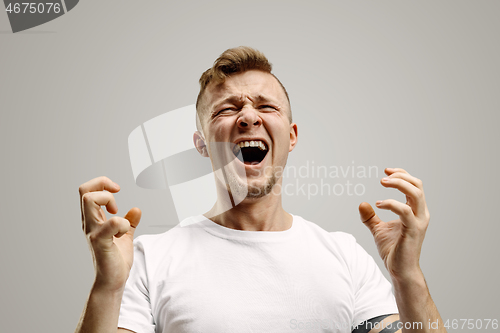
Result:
[
  {"x": 220, "y": 129},
  {"x": 276, "y": 124}
]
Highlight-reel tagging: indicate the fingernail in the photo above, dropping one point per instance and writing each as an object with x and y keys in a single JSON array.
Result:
[
  {"x": 116, "y": 185},
  {"x": 386, "y": 179},
  {"x": 378, "y": 203}
]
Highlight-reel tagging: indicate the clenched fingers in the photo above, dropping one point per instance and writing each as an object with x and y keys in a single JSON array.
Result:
[
  {"x": 115, "y": 226},
  {"x": 91, "y": 208},
  {"x": 96, "y": 184},
  {"x": 99, "y": 184},
  {"x": 405, "y": 213},
  {"x": 402, "y": 210},
  {"x": 409, "y": 178},
  {"x": 411, "y": 187}
]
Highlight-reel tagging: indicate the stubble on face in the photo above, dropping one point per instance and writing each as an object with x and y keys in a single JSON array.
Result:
[{"x": 237, "y": 188}]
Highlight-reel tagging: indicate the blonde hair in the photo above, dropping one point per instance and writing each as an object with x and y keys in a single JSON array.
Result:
[{"x": 232, "y": 61}]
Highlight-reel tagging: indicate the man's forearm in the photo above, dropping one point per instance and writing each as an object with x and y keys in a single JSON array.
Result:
[
  {"x": 101, "y": 311},
  {"x": 417, "y": 311}
]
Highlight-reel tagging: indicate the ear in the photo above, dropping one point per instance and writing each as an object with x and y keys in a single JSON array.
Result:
[
  {"x": 293, "y": 136},
  {"x": 199, "y": 143}
]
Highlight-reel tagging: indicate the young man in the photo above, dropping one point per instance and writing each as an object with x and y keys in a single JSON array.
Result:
[{"x": 254, "y": 267}]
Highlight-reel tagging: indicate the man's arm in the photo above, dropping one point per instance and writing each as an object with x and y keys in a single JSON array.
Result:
[
  {"x": 416, "y": 306},
  {"x": 101, "y": 312},
  {"x": 399, "y": 243},
  {"x": 111, "y": 244}
]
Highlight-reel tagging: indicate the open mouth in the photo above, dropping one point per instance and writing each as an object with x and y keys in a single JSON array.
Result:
[{"x": 252, "y": 152}]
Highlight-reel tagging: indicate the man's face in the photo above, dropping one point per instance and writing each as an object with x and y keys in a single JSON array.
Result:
[{"x": 250, "y": 106}]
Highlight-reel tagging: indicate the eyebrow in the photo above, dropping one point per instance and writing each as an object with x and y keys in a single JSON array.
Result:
[{"x": 234, "y": 99}]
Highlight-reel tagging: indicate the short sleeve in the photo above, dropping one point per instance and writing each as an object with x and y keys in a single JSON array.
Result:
[
  {"x": 135, "y": 310},
  {"x": 372, "y": 291}
]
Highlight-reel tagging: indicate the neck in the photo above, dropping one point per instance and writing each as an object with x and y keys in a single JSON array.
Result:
[{"x": 260, "y": 214}]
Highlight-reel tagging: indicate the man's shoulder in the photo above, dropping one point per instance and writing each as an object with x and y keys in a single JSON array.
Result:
[
  {"x": 180, "y": 233},
  {"x": 339, "y": 236},
  {"x": 335, "y": 240},
  {"x": 340, "y": 244}
]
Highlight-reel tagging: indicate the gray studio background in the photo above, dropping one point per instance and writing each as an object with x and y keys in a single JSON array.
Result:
[{"x": 381, "y": 83}]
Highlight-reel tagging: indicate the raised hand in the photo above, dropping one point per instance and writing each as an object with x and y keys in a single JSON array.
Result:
[
  {"x": 399, "y": 241},
  {"x": 110, "y": 241}
]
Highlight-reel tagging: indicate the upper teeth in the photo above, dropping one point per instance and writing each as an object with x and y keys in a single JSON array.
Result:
[{"x": 261, "y": 145}]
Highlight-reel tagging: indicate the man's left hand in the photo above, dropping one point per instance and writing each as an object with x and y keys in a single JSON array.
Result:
[{"x": 399, "y": 242}]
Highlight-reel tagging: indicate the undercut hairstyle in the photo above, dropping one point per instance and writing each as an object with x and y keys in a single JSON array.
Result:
[{"x": 233, "y": 61}]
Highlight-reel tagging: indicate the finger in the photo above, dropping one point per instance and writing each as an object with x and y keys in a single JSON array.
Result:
[
  {"x": 134, "y": 217},
  {"x": 115, "y": 226},
  {"x": 101, "y": 199},
  {"x": 97, "y": 184},
  {"x": 92, "y": 202},
  {"x": 409, "y": 178},
  {"x": 404, "y": 211},
  {"x": 390, "y": 171},
  {"x": 415, "y": 196},
  {"x": 368, "y": 216}
]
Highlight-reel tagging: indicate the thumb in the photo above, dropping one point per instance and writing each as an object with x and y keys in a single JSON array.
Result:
[
  {"x": 368, "y": 216},
  {"x": 134, "y": 217}
]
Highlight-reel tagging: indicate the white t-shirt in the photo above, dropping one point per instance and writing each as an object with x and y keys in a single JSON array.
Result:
[{"x": 203, "y": 277}]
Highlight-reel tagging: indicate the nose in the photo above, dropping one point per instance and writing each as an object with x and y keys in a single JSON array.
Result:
[{"x": 249, "y": 117}]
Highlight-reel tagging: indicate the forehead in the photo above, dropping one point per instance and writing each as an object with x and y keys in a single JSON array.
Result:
[{"x": 253, "y": 84}]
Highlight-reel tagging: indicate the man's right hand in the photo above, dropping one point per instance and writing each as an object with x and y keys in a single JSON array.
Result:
[{"x": 110, "y": 241}]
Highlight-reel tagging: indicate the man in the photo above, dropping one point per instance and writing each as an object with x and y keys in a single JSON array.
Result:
[{"x": 254, "y": 267}]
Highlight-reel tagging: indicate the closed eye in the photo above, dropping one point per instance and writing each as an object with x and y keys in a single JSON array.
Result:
[
  {"x": 226, "y": 110},
  {"x": 267, "y": 107}
]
